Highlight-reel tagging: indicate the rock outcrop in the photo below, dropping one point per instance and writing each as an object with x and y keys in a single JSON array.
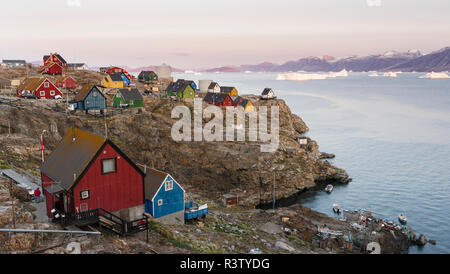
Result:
[{"x": 210, "y": 169}]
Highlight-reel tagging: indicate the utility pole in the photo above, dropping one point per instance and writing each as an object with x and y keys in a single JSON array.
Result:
[
  {"x": 106, "y": 127},
  {"x": 273, "y": 205},
  {"x": 12, "y": 203},
  {"x": 42, "y": 144}
]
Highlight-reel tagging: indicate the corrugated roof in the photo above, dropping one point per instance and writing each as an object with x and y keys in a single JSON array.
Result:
[
  {"x": 266, "y": 91},
  {"x": 84, "y": 91},
  {"x": 212, "y": 85},
  {"x": 131, "y": 94},
  {"x": 57, "y": 56},
  {"x": 215, "y": 97},
  {"x": 14, "y": 61},
  {"x": 117, "y": 76},
  {"x": 243, "y": 102},
  {"x": 153, "y": 180},
  {"x": 69, "y": 159},
  {"x": 235, "y": 99},
  {"x": 32, "y": 83},
  {"x": 226, "y": 89}
]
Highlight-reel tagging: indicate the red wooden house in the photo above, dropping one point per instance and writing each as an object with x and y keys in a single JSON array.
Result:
[
  {"x": 66, "y": 82},
  {"x": 38, "y": 88},
  {"x": 85, "y": 173},
  {"x": 54, "y": 58},
  {"x": 112, "y": 70},
  {"x": 218, "y": 99},
  {"x": 52, "y": 68}
]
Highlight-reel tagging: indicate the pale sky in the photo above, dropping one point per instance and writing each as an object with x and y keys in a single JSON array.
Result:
[{"x": 209, "y": 33}]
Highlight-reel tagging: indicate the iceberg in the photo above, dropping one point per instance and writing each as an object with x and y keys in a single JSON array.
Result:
[
  {"x": 296, "y": 76},
  {"x": 391, "y": 74},
  {"x": 437, "y": 75}
]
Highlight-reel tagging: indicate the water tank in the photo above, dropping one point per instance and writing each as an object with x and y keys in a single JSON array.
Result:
[
  {"x": 164, "y": 71},
  {"x": 203, "y": 85}
]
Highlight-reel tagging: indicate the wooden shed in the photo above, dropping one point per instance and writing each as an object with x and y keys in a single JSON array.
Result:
[
  {"x": 230, "y": 200},
  {"x": 90, "y": 98}
]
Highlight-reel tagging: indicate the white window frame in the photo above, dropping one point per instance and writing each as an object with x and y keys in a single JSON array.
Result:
[
  {"x": 84, "y": 194},
  {"x": 103, "y": 167},
  {"x": 169, "y": 185},
  {"x": 42, "y": 92},
  {"x": 52, "y": 92},
  {"x": 46, "y": 84},
  {"x": 160, "y": 202}
]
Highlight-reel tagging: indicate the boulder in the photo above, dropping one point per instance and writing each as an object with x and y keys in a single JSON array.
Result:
[{"x": 285, "y": 246}]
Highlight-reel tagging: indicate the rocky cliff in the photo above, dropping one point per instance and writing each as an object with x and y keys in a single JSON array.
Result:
[{"x": 210, "y": 169}]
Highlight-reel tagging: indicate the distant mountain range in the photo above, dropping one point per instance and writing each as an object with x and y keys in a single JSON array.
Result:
[{"x": 413, "y": 60}]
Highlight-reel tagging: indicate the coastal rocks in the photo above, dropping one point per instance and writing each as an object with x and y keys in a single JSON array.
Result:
[
  {"x": 324, "y": 155},
  {"x": 422, "y": 240}
]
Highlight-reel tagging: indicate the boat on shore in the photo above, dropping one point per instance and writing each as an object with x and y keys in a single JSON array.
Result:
[
  {"x": 402, "y": 219},
  {"x": 329, "y": 188},
  {"x": 337, "y": 209}
]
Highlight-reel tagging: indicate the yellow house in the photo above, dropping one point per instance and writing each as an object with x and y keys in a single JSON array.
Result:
[
  {"x": 247, "y": 105},
  {"x": 231, "y": 91},
  {"x": 113, "y": 81}
]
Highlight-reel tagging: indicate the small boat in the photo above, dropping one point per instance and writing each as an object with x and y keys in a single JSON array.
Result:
[
  {"x": 402, "y": 219},
  {"x": 337, "y": 209},
  {"x": 329, "y": 188}
]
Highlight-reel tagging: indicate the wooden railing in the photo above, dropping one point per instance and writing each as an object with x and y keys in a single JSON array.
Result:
[
  {"x": 86, "y": 217},
  {"x": 106, "y": 219}
]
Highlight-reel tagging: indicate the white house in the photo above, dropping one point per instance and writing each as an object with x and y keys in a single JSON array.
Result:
[
  {"x": 77, "y": 66},
  {"x": 214, "y": 88},
  {"x": 14, "y": 63},
  {"x": 268, "y": 94}
]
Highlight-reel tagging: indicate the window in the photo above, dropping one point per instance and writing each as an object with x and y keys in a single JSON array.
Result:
[
  {"x": 94, "y": 94},
  {"x": 108, "y": 165},
  {"x": 42, "y": 93},
  {"x": 46, "y": 84},
  {"x": 160, "y": 202},
  {"x": 84, "y": 194},
  {"x": 169, "y": 185},
  {"x": 52, "y": 92}
]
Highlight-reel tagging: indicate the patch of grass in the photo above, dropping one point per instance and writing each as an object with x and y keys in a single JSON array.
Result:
[
  {"x": 178, "y": 244},
  {"x": 296, "y": 240},
  {"x": 4, "y": 164}
]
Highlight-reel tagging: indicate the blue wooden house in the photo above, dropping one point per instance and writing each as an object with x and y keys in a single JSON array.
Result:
[
  {"x": 90, "y": 98},
  {"x": 164, "y": 197}
]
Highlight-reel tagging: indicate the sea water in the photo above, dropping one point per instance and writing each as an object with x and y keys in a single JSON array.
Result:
[{"x": 391, "y": 134}]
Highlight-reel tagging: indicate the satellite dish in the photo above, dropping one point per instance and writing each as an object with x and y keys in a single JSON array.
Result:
[{"x": 373, "y": 248}]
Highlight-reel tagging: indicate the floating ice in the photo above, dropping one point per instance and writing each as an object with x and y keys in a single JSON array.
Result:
[
  {"x": 295, "y": 76},
  {"x": 437, "y": 75},
  {"x": 391, "y": 74}
]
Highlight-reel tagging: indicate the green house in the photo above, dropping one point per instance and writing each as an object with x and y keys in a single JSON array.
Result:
[
  {"x": 147, "y": 76},
  {"x": 181, "y": 89},
  {"x": 130, "y": 98}
]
